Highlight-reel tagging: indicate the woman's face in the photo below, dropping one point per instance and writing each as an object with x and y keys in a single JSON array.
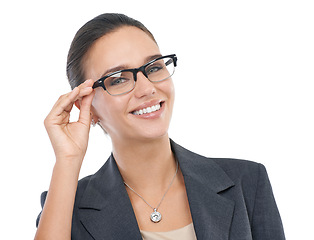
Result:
[{"x": 129, "y": 47}]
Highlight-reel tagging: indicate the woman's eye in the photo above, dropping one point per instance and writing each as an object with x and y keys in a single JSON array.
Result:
[
  {"x": 118, "y": 81},
  {"x": 153, "y": 69}
]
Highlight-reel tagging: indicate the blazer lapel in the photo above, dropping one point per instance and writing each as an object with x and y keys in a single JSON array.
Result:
[
  {"x": 105, "y": 209},
  {"x": 204, "y": 180},
  {"x": 106, "y": 212}
]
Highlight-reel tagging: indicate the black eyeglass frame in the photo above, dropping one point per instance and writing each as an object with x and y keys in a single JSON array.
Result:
[{"x": 100, "y": 82}]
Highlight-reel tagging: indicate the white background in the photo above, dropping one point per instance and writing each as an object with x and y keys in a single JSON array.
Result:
[{"x": 244, "y": 89}]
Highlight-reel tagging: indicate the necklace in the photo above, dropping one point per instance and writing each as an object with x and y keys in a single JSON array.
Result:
[{"x": 155, "y": 216}]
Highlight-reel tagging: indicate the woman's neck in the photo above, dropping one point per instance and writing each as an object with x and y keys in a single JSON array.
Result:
[{"x": 145, "y": 164}]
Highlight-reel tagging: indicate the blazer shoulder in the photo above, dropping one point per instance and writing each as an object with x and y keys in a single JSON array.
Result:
[
  {"x": 227, "y": 164},
  {"x": 236, "y": 169},
  {"x": 239, "y": 166},
  {"x": 242, "y": 171},
  {"x": 82, "y": 185},
  {"x": 253, "y": 188},
  {"x": 83, "y": 182}
]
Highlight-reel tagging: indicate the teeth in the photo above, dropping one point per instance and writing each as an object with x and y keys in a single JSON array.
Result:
[{"x": 147, "y": 110}]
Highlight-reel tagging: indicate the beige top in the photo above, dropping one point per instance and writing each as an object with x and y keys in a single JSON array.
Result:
[{"x": 185, "y": 233}]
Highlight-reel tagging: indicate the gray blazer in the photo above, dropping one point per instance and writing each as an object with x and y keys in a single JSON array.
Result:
[{"x": 229, "y": 199}]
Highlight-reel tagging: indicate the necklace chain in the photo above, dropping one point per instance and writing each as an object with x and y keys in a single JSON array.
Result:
[{"x": 155, "y": 209}]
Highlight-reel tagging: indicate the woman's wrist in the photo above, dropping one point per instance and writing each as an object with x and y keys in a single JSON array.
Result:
[{"x": 68, "y": 165}]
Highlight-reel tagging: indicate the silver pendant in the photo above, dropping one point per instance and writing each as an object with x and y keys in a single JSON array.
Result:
[{"x": 155, "y": 216}]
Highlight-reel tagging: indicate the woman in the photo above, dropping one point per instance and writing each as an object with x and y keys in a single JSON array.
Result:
[{"x": 150, "y": 187}]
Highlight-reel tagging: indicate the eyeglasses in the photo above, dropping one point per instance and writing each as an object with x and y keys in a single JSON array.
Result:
[{"x": 123, "y": 81}]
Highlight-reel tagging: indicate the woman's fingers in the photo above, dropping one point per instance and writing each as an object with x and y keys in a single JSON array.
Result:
[
  {"x": 66, "y": 103},
  {"x": 86, "y": 88},
  {"x": 70, "y": 139},
  {"x": 63, "y": 106},
  {"x": 85, "y": 101},
  {"x": 85, "y": 109}
]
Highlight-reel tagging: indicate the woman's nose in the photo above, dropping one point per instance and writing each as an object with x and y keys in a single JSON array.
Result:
[{"x": 143, "y": 87}]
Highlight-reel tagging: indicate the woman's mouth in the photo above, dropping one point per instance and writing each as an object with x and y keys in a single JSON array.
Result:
[{"x": 146, "y": 110}]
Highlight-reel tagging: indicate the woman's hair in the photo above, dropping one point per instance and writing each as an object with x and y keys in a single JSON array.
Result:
[{"x": 88, "y": 34}]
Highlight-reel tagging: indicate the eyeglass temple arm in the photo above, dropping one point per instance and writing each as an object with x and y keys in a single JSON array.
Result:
[
  {"x": 96, "y": 85},
  {"x": 175, "y": 59}
]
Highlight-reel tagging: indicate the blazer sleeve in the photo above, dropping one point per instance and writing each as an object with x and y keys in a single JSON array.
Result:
[
  {"x": 266, "y": 221},
  {"x": 42, "y": 202}
]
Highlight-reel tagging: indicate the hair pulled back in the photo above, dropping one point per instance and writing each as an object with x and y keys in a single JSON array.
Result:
[{"x": 88, "y": 34}]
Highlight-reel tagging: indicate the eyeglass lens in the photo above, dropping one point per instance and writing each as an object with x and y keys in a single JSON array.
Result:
[{"x": 123, "y": 82}]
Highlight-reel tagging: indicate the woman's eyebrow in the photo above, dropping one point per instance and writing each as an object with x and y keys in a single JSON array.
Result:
[
  {"x": 114, "y": 69},
  {"x": 123, "y": 67},
  {"x": 150, "y": 58}
]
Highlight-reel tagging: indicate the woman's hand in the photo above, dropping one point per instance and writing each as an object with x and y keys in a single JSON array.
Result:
[{"x": 70, "y": 139}]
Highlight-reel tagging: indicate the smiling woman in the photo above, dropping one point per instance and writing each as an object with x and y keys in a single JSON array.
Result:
[
  {"x": 129, "y": 47},
  {"x": 150, "y": 187}
]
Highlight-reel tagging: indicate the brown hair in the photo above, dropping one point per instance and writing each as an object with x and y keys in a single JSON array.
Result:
[{"x": 88, "y": 34}]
